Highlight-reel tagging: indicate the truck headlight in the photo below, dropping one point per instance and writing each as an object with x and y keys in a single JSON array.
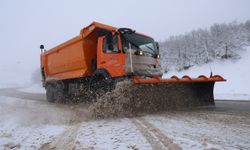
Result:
[{"x": 140, "y": 53}]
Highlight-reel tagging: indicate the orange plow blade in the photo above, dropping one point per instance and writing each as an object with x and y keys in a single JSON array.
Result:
[
  {"x": 175, "y": 79},
  {"x": 176, "y": 92}
]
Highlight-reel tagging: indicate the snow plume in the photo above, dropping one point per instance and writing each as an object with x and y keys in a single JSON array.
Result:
[
  {"x": 221, "y": 41},
  {"x": 130, "y": 99}
]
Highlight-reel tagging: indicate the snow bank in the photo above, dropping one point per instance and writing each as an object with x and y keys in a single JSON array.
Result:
[
  {"x": 22, "y": 128},
  {"x": 33, "y": 137},
  {"x": 35, "y": 88},
  {"x": 236, "y": 72}
]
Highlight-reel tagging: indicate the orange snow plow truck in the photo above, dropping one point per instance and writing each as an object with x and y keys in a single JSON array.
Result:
[{"x": 102, "y": 55}]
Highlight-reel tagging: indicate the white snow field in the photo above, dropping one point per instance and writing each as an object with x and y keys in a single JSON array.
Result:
[
  {"x": 237, "y": 74},
  {"x": 37, "y": 124}
]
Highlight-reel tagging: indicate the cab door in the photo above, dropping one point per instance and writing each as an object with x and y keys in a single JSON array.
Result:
[{"x": 110, "y": 55}]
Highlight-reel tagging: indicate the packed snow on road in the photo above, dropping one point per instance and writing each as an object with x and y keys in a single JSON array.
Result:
[{"x": 28, "y": 121}]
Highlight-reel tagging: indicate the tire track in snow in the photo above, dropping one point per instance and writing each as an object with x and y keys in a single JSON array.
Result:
[
  {"x": 149, "y": 137},
  {"x": 154, "y": 136},
  {"x": 66, "y": 141},
  {"x": 166, "y": 141}
]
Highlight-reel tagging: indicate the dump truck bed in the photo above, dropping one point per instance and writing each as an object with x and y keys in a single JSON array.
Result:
[
  {"x": 66, "y": 60},
  {"x": 73, "y": 58}
]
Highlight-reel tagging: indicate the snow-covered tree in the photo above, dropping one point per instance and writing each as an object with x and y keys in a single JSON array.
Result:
[{"x": 220, "y": 41}]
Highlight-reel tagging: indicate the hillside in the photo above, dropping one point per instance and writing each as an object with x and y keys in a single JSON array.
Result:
[{"x": 219, "y": 42}]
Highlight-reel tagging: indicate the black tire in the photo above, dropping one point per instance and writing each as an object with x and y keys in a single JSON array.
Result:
[
  {"x": 60, "y": 93},
  {"x": 50, "y": 93}
]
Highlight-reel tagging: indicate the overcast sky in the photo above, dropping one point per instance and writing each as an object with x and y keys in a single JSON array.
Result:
[{"x": 25, "y": 24}]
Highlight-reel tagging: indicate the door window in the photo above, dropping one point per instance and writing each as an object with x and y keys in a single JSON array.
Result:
[{"x": 107, "y": 49}]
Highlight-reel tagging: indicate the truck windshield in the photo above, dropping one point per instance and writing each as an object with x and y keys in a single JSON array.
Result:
[{"x": 139, "y": 42}]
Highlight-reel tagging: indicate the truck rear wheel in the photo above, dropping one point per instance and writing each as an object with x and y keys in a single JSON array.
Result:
[
  {"x": 56, "y": 91},
  {"x": 50, "y": 93},
  {"x": 60, "y": 92}
]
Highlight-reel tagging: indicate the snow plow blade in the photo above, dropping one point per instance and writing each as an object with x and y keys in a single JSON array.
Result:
[{"x": 176, "y": 92}]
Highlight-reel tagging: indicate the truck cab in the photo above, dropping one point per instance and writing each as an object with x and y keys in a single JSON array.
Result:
[{"x": 126, "y": 52}]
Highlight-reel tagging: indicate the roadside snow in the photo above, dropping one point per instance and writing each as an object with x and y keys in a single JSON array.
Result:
[
  {"x": 31, "y": 137},
  {"x": 236, "y": 72},
  {"x": 21, "y": 127},
  {"x": 199, "y": 130},
  {"x": 240, "y": 97},
  {"x": 34, "y": 124},
  {"x": 34, "y": 88},
  {"x": 38, "y": 124}
]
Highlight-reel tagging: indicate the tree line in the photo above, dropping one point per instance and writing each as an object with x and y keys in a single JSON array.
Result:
[{"x": 220, "y": 41}]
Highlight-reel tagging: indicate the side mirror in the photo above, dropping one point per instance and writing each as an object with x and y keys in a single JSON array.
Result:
[
  {"x": 126, "y": 30},
  {"x": 157, "y": 45},
  {"x": 41, "y": 47}
]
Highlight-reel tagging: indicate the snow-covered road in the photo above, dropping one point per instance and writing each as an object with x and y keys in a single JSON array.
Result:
[{"x": 28, "y": 121}]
